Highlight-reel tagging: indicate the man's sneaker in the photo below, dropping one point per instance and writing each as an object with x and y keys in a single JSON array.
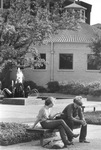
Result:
[{"x": 84, "y": 141}]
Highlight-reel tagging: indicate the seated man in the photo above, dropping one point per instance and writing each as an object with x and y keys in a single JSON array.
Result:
[{"x": 73, "y": 116}]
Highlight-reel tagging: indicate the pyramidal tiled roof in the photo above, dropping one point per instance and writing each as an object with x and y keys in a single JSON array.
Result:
[
  {"x": 74, "y": 5},
  {"x": 83, "y": 35}
]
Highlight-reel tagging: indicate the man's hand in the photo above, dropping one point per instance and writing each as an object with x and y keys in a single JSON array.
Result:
[
  {"x": 59, "y": 113},
  {"x": 83, "y": 122},
  {"x": 33, "y": 126}
]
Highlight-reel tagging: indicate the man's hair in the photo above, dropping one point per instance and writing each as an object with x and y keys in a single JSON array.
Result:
[
  {"x": 49, "y": 101},
  {"x": 78, "y": 101}
]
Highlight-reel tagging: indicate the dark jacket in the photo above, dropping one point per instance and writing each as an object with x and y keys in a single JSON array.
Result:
[{"x": 73, "y": 114}]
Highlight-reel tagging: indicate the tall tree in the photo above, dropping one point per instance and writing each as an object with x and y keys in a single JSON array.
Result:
[
  {"x": 22, "y": 27},
  {"x": 19, "y": 29}
]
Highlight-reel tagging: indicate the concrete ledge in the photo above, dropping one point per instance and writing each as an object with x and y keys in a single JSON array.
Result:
[
  {"x": 94, "y": 98},
  {"x": 14, "y": 101},
  {"x": 31, "y": 100}
]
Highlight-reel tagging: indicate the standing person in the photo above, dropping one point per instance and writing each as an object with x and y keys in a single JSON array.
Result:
[
  {"x": 73, "y": 116},
  {"x": 47, "y": 121}
]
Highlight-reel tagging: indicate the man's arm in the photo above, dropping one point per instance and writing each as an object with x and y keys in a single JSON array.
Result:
[
  {"x": 69, "y": 114},
  {"x": 81, "y": 116}
]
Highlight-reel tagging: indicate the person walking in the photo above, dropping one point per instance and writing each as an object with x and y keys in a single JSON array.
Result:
[{"x": 48, "y": 121}]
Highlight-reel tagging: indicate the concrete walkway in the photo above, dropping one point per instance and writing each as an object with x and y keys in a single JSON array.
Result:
[
  {"x": 27, "y": 113},
  {"x": 94, "y": 136}
]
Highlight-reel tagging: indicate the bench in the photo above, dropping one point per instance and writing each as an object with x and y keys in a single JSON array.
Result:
[{"x": 42, "y": 132}]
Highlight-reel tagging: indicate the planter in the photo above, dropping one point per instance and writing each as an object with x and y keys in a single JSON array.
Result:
[{"x": 93, "y": 98}]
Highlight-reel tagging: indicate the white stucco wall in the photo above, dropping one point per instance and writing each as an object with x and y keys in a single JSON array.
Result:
[
  {"x": 79, "y": 72},
  {"x": 52, "y": 72}
]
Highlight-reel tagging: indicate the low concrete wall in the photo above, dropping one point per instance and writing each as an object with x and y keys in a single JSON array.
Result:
[
  {"x": 93, "y": 98},
  {"x": 14, "y": 101}
]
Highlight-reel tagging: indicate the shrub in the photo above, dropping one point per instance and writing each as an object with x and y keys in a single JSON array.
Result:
[
  {"x": 42, "y": 89},
  {"x": 78, "y": 88},
  {"x": 30, "y": 83},
  {"x": 13, "y": 133},
  {"x": 66, "y": 89},
  {"x": 95, "y": 92},
  {"x": 94, "y": 85},
  {"x": 74, "y": 88},
  {"x": 53, "y": 86}
]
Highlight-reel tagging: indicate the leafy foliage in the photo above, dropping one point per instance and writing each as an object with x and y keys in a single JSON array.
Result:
[
  {"x": 95, "y": 92},
  {"x": 13, "y": 133},
  {"x": 75, "y": 88},
  {"x": 53, "y": 86},
  {"x": 25, "y": 25},
  {"x": 19, "y": 29},
  {"x": 30, "y": 83},
  {"x": 96, "y": 49},
  {"x": 93, "y": 117}
]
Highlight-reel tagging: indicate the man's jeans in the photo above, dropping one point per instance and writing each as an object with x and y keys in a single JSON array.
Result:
[
  {"x": 63, "y": 128},
  {"x": 72, "y": 125}
]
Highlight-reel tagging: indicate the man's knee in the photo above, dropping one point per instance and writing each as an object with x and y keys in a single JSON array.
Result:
[
  {"x": 62, "y": 121},
  {"x": 70, "y": 123}
]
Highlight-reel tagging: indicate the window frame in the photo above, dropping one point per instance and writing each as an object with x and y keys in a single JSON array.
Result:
[
  {"x": 41, "y": 69},
  {"x": 68, "y": 69},
  {"x": 5, "y": 5},
  {"x": 91, "y": 64}
]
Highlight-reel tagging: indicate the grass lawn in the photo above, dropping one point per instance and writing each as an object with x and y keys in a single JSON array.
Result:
[{"x": 93, "y": 117}]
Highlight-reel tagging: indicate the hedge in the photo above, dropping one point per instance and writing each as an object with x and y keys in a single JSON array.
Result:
[
  {"x": 75, "y": 88},
  {"x": 13, "y": 133}
]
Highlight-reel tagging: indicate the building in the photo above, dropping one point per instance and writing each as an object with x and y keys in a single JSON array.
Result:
[
  {"x": 4, "y": 4},
  {"x": 81, "y": 3},
  {"x": 67, "y": 55}
]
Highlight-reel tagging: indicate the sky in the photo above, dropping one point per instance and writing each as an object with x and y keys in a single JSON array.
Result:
[{"x": 96, "y": 11}]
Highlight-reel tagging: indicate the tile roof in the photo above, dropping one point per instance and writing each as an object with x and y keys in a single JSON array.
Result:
[
  {"x": 74, "y": 5},
  {"x": 98, "y": 25},
  {"x": 83, "y": 35}
]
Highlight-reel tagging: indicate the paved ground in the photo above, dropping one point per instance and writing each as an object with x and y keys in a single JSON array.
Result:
[
  {"x": 27, "y": 113},
  {"x": 94, "y": 136}
]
